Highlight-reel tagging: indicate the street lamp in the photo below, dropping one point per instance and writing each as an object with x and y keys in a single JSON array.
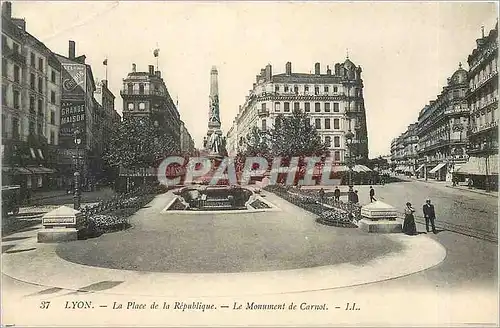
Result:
[
  {"x": 77, "y": 194},
  {"x": 349, "y": 137}
]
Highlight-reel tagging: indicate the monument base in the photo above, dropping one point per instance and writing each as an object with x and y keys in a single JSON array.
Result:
[
  {"x": 380, "y": 226},
  {"x": 57, "y": 235}
]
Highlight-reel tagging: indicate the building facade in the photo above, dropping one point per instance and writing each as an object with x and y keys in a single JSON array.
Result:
[
  {"x": 482, "y": 98},
  {"x": 442, "y": 130},
  {"x": 31, "y": 100},
  {"x": 333, "y": 100},
  {"x": 79, "y": 139},
  {"x": 187, "y": 142},
  {"x": 404, "y": 151},
  {"x": 145, "y": 94}
]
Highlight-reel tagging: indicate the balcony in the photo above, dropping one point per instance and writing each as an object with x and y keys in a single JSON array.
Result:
[
  {"x": 17, "y": 57},
  {"x": 483, "y": 104},
  {"x": 263, "y": 112},
  {"x": 483, "y": 81},
  {"x": 484, "y": 127},
  {"x": 138, "y": 93}
]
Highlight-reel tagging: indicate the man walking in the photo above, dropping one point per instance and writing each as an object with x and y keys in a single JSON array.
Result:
[
  {"x": 336, "y": 194},
  {"x": 372, "y": 195},
  {"x": 430, "y": 215}
]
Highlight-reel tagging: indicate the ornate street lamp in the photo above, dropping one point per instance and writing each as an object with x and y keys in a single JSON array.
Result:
[
  {"x": 349, "y": 137},
  {"x": 77, "y": 193}
]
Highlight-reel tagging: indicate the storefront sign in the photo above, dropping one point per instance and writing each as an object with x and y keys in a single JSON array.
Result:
[{"x": 73, "y": 82}]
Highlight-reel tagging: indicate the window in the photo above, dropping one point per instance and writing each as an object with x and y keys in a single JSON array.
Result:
[
  {"x": 286, "y": 106},
  {"x": 327, "y": 107},
  {"x": 296, "y": 106},
  {"x": 40, "y": 64},
  {"x": 276, "y": 88},
  {"x": 327, "y": 123},
  {"x": 32, "y": 104},
  {"x": 326, "y": 88},
  {"x": 52, "y": 117},
  {"x": 32, "y": 61},
  {"x": 130, "y": 87},
  {"x": 130, "y": 106},
  {"x": 15, "y": 128},
  {"x": 32, "y": 81},
  {"x": 40, "y": 106},
  {"x": 306, "y": 88},
  {"x": 335, "y": 89},
  {"x": 336, "y": 141},
  {"x": 4, "y": 40},
  {"x": 264, "y": 107},
  {"x": 141, "y": 88},
  {"x": 52, "y": 97},
  {"x": 317, "y": 107},
  {"x": 336, "y": 156},
  {"x": 17, "y": 99},
  {"x": 32, "y": 128},
  {"x": 142, "y": 106},
  {"x": 264, "y": 125},
  {"x": 4, "y": 94},
  {"x": 328, "y": 141},
  {"x": 336, "y": 107},
  {"x": 276, "y": 106},
  {"x": 15, "y": 47},
  {"x": 307, "y": 107},
  {"x": 296, "y": 89},
  {"x": 40, "y": 128},
  {"x": 317, "y": 123},
  {"x": 40, "y": 85},
  {"x": 16, "y": 74},
  {"x": 286, "y": 88},
  {"x": 316, "y": 90},
  {"x": 4, "y": 126},
  {"x": 53, "y": 76},
  {"x": 336, "y": 123},
  {"x": 4, "y": 67},
  {"x": 52, "y": 137}
]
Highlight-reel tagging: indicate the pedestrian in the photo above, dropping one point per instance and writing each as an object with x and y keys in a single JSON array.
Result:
[
  {"x": 336, "y": 194},
  {"x": 429, "y": 215},
  {"x": 470, "y": 183},
  {"x": 409, "y": 226},
  {"x": 355, "y": 197},
  {"x": 372, "y": 195}
]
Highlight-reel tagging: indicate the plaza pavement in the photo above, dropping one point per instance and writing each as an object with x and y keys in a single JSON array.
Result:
[{"x": 439, "y": 291}]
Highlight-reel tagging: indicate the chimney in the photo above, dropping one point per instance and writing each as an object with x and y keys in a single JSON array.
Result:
[
  {"x": 151, "y": 70},
  {"x": 253, "y": 86},
  {"x": 71, "y": 52},
  {"x": 288, "y": 68},
  {"x": 158, "y": 73},
  {"x": 328, "y": 70},
  {"x": 105, "y": 83},
  {"x": 133, "y": 68},
  {"x": 7, "y": 9},
  {"x": 262, "y": 72},
  {"x": 269, "y": 72},
  {"x": 337, "y": 69},
  {"x": 316, "y": 69}
]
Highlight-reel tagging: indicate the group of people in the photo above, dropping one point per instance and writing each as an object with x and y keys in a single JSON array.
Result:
[
  {"x": 352, "y": 196},
  {"x": 409, "y": 226}
]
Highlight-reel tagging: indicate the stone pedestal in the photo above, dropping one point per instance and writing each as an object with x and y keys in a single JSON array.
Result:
[
  {"x": 379, "y": 217},
  {"x": 61, "y": 225}
]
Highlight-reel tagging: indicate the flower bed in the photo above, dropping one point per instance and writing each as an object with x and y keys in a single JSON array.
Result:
[{"x": 258, "y": 204}]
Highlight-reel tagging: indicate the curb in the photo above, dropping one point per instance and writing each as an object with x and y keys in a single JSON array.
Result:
[{"x": 474, "y": 191}]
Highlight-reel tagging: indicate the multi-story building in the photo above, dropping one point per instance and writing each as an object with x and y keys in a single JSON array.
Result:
[
  {"x": 334, "y": 103},
  {"x": 145, "y": 94},
  {"x": 187, "y": 142},
  {"x": 404, "y": 151},
  {"x": 78, "y": 116},
  {"x": 482, "y": 97},
  {"x": 442, "y": 129},
  {"x": 31, "y": 100}
]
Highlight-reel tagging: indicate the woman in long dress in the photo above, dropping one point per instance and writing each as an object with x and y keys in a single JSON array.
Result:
[{"x": 409, "y": 226}]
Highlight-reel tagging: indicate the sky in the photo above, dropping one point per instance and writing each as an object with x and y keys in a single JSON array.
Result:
[{"x": 407, "y": 50}]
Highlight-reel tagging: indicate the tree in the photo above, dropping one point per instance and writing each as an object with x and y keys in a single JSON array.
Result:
[
  {"x": 294, "y": 136},
  {"x": 257, "y": 143},
  {"x": 137, "y": 143}
]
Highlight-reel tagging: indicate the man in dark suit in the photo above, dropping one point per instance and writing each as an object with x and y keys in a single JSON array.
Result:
[
  {"x": 430, "y": 215},
  {"x": 372, "y": 195}
]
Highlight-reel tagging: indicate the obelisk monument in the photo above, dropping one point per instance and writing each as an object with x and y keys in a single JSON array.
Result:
[{"x": 214, "y": 142}]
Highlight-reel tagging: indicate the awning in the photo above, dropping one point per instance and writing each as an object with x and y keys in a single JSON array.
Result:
[
  {"x": 41, "y": 170},
  {"x": 361, "y": 168},
  {"x": 437, "y": 168},
  {"x": 420, "y": 167},
  {"x": 480, "y": 166},
  {"x": 16, "y": 170},
  {"x": 408, "y": 169}
]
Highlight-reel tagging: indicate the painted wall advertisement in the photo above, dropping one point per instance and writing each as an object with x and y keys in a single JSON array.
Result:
[
  {"x": 74, "y": 81},
  {"x": 72, "y": 118}
]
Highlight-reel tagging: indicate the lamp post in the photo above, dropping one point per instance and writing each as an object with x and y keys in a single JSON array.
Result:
[
  {"x": 77, "y": 194},
  {"x": 348, "y": 137}
]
